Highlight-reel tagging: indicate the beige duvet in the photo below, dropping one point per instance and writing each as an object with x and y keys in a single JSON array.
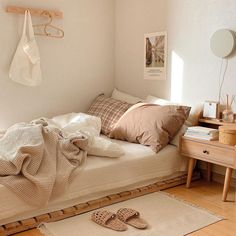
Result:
[{"x": 37, "y": 163}]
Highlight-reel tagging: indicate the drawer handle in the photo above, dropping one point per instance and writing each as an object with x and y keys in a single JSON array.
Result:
[{"x": 206, "y": 152}]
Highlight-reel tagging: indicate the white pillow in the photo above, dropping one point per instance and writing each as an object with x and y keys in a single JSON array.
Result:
[
  {"x": 175, "y": 140},
  {"x": 124, "y": 97},
  {"x": 159, "y": 101},
  {"x": 193, "y": 117}
]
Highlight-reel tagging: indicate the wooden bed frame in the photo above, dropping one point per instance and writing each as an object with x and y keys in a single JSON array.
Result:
[{"x": 23, "y": 225}]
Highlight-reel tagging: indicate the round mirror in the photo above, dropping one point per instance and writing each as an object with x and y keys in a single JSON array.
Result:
[{"x": 223, "y": 43}]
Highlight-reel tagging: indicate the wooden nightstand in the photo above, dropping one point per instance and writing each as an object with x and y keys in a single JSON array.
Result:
[{"x": 212, "y": 152}]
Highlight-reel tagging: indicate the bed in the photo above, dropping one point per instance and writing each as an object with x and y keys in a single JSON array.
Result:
[
  {"x": 139, "y": 166},
  {"x": 102, "y": 180}
]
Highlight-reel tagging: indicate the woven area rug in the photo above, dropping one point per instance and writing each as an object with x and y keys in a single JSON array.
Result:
[{"x": 165, "y": 214}]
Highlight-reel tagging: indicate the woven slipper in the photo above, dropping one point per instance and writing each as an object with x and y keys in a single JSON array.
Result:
[
  {"x": 109, "y": 220},
  {"x": 131, "y": 217}
]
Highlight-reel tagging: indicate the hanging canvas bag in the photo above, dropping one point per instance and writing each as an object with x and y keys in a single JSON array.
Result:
[{"x": 25, "y": 67}]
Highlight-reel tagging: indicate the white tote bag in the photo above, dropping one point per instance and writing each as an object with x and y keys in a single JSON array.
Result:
[{"x": 25, "y": 68}]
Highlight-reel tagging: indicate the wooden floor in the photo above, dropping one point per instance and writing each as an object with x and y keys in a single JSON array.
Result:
[{"x": 206, "y": 195}]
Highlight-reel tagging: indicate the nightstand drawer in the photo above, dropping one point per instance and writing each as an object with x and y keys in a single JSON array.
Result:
[{"x": 209, "y": 153}]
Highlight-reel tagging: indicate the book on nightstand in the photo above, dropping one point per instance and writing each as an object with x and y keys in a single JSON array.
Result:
[{"x": 203, "y": 133}]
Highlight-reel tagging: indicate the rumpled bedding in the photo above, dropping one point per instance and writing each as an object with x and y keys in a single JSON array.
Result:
[
  {"x": 72, "y": 123},
  {"x": 37, "y": 163},
  {"x": 38, "y": 159}
]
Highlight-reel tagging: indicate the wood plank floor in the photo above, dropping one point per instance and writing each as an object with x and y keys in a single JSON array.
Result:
[{"x": 206, "y": 195}]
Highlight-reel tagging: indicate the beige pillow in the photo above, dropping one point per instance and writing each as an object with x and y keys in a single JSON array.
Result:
[
  {"x": 149, "y": 124},
  {"x": 109, "y": 110},
  {"x": 192, "y": 119}
]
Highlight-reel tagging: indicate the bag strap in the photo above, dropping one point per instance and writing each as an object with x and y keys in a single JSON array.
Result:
[
  {"x": 24, "y": 26},
  {"x": 28, "y": 25}
]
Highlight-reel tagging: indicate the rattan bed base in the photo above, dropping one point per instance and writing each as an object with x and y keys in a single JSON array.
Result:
[{"x": 31, "y": 223}]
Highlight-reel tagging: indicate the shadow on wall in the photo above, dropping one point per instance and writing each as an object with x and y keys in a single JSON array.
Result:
[{"x": 177, "y": 69}]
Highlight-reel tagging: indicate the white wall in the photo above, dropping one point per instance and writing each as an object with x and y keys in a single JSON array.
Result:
[
  {"x": 134, "y": 18},
  {"x": 190, "y": 25},
  {"x": 75, "y": 69}
]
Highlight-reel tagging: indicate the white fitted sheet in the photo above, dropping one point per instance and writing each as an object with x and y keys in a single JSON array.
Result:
[{"x": 102, "y": 176}]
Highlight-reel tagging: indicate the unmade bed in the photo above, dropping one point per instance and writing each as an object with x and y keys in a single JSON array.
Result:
[
  {"x": 102, "y": 176},
  {"x": 65, "y": 181}
]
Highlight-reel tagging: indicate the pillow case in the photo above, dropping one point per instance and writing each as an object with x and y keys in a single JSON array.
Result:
[
  {"x": 109, "y": 110},
  {"x": 193, "y": 116},
  {"x": 151, "y": 125},
  {"x": 116, "y": 94},
  {"x": 192, "y": 119}
]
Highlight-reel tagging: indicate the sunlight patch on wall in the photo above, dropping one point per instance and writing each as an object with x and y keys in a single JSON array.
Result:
[{"x": 177, "y": 69}]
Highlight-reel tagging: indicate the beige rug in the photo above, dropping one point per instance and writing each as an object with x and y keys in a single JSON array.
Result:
[{"x": 165, "y": 214}]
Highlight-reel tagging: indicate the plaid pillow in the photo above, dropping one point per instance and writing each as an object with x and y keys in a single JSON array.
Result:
[{"x": 109, "y": 110}]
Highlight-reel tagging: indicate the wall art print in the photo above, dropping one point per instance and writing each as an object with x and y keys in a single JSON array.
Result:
[{"x": 155, "y": 56}]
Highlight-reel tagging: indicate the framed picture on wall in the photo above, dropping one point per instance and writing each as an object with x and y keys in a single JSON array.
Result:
[{"x": 155, "y": 56}]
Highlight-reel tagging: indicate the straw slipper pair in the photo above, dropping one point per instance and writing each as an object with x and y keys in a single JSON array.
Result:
[{"x": 119, "y": 220}]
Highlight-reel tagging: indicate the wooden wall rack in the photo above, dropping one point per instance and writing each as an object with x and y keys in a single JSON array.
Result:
[{"x": 34, "y": 12}]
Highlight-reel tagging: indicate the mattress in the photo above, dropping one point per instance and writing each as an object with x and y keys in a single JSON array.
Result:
[{"x": 102, "y": 176}]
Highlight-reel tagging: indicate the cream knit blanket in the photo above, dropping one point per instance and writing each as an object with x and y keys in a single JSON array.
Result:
[{"x": 37, "y": 162}]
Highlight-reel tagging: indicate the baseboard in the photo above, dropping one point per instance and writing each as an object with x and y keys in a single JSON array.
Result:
[{"x": 219, "y": 178}]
